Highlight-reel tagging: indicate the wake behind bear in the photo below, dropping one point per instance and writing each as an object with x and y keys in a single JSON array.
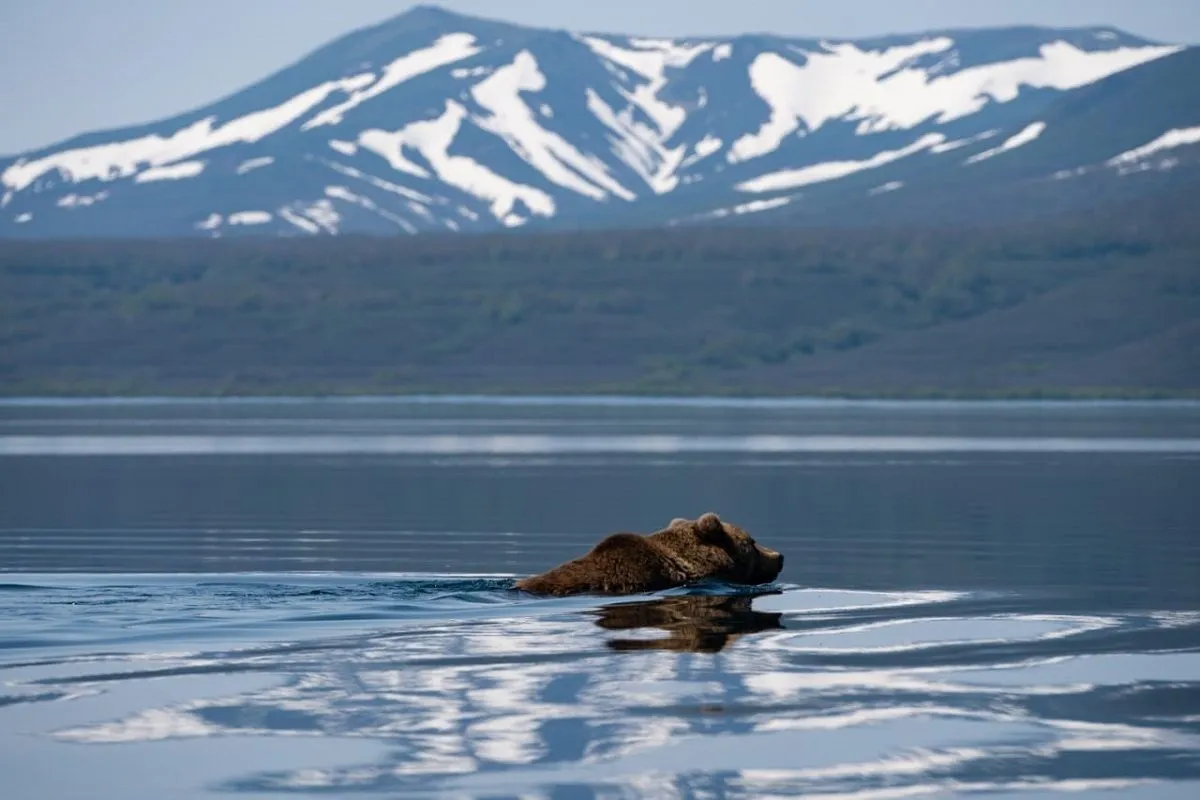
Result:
[{"x": 684, "y": 552}]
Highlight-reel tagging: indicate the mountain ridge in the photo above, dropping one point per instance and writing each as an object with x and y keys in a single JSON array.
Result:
[
  {"x": 433, "y": 120},
  {"x": 439, "y": 14}
]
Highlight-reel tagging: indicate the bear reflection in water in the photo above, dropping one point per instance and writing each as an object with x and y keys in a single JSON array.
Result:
[{"x": 694, "y": 623}]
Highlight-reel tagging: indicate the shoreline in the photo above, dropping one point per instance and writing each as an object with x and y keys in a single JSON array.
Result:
[{"x": 1180, "y": 399}]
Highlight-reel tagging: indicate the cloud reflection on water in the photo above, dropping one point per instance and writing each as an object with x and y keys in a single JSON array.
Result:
[{"x": 788, "y": 693}]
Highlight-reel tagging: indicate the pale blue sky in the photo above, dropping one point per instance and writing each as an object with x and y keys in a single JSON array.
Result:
[{"x": 71, "y": 66}]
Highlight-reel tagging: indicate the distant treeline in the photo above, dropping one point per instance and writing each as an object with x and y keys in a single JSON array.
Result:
[{"x": 1107, "y": 304}]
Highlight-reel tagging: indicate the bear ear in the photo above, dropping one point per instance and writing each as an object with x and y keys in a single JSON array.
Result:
[
  {"x": 710, "y": 527},
  {"x": 675, "y": 523}
]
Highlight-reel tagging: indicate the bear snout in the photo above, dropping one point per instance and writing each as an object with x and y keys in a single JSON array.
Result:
[{"x": 771, "y": 562}]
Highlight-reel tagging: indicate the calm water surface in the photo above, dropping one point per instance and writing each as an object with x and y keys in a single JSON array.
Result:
[{"x": 311, "y": 599}]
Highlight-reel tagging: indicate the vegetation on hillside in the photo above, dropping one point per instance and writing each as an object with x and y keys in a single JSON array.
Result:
[{"x": 1105, "y": 304}]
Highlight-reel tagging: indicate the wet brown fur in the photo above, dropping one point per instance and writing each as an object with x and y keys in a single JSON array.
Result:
[{"x": 684, "y": 552}]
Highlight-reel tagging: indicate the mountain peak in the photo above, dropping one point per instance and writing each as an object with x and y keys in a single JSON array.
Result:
[
  {"x": 435, "y": 120},
  {"x": 428, "y": 11},
  {"x": 431, "y": 15}
]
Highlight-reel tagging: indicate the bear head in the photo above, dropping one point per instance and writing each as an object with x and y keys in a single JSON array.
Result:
[{"x": 709, "y": 547}]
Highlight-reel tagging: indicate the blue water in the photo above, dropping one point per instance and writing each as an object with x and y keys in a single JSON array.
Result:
[{"x": 247, "y": 612}]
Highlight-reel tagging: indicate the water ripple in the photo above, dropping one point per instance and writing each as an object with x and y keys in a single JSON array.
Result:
[{"x": 449, "y": 685}]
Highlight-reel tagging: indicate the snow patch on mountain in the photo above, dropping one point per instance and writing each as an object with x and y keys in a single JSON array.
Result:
[
  {"x": 171, "y": 172},
  {"x": 321, "y": 214},
  {"x": 651, "y": 58},
  {"x": 123, "y": 158},
  {"x": 252, "y": 164},
  {"x": 946, "y": 147},
  {"x": 641, "y": 147},
  {"x": 1177, "y": 137},
  {"x": 390, "y": 145},
  {"x": 547, "y": 152},
  {"x": 342, "y": 193},
  {"x": 1064, "y": 174},
  {"x": 80, "y": 201},
  {"x": 1160, "y": 165},
  {"x": 1152, "y": 156},
  {"x": 345, "y": 195},
  {"x": 753, "y": 207},
  {"x": 210, "y": 223},
  {"x": 470, "y": 72},
  {"x": 832, "y": 170},
  {"x": 432, "y": 139},
  {"x": 829, "y": 85},
  {"x": 882, "y": 91},
  {"x": 448, "y": 49},
  {"x": 638, "y": 146},
  {"x": 884, "y": 188},
  {"x": 250, "y": 218},
  {"x": 1027, "y": 135},
  {"x": 703, "y": 149},
  {"x": 1060, "y": 65},
  {"x": 379, "y": 183},
  {"x": 300, "y": 222}
]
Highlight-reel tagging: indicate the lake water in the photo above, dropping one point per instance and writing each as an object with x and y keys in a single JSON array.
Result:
[{"x": 269, "y": 599}]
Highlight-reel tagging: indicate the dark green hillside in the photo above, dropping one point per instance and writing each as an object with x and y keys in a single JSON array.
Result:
[{"x": 1098, "y": 304}]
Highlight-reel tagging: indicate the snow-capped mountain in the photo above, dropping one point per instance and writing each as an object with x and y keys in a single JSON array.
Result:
[{"x": 433, "y": 122}]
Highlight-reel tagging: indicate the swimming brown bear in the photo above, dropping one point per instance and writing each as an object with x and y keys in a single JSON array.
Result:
[{"x": 684, "y": 552}]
